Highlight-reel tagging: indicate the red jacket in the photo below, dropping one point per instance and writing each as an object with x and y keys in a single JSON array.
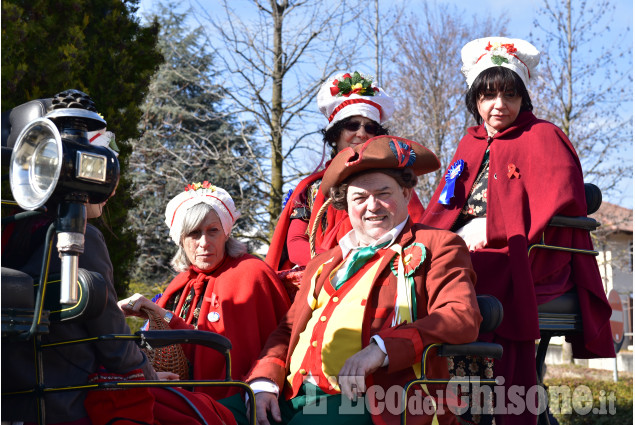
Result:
[{"x": 447, "y": 311}]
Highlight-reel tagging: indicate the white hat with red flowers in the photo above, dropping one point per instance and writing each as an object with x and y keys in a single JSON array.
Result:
[
  {"x": 200, "y": 193},
  {"x": 345, "y": 95},
  {"x": 518, "y": 55},
  {"x": 103, "y": 138}
]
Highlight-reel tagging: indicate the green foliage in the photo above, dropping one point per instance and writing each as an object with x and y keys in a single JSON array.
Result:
[
  {"x": 499, "y": 60},
  {"x": 346, "y": 85},
  {"x": 187, "y": 138},
  {"x": 100, "y": 48},
  {"x": 613, "y": 401}
]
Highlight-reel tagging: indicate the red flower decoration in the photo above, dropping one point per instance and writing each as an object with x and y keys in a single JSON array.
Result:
[
  {"x": 197, "y": 186},
  {"x": 356, "y": 84},
  {"x": 413, "y": 257},
  {"x": 510, "y": 48}
]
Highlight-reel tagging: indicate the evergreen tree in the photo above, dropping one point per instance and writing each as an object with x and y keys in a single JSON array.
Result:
[
  {"x": 100, "y": 48},
  {"x": 186, "y": 138}
]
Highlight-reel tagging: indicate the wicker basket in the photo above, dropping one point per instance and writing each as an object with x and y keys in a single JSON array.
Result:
[{"x": 170, "y": 358}]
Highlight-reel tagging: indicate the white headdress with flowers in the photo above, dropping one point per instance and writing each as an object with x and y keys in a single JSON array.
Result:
[
  {"x": 345, "y": 95},
  {"x": 200, "y": 193},
  {"x": 104, "y": 139},
  {"x": 518, "y": 55}
]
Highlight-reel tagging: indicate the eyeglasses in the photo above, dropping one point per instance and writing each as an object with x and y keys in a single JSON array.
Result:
[{"x": 369, "y": 127}]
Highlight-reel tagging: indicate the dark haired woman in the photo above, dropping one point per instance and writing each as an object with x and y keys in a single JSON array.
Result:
[
  {"x": 510, "y": 174},
  {"x": 356, "y": 110}
]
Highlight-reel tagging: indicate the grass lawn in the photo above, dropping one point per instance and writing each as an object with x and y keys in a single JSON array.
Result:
[{"x": 590, "y": 396}]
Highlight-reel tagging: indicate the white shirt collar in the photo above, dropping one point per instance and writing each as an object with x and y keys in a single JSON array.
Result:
[{"x": 349, "y": 241}]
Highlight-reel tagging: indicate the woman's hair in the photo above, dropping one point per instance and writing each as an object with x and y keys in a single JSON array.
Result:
[
  {"x": 331, "y": 136},
  {"x": 192, "y": 220},
  {"x": 500, "y": 80},
  {"x": 405, "y": 177}
]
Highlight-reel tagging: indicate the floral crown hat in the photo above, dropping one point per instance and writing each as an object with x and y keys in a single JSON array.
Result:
[
  {"x": 200, "y": 193},
  {"x": 104, "y": 139},
  {"x": 518, "y": 55},
  {"x": 345, "y": 95}
]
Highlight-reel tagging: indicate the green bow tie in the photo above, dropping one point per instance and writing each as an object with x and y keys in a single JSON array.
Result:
[{"x": 359, "y": 258}]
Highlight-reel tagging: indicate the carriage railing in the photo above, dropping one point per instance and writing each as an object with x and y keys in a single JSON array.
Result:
[{"x": 26, "y": 323}]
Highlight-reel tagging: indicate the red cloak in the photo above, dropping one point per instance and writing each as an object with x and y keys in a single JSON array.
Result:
[
  {"x": 534, "y": 174},
  {"x": 249, "y": 299}
]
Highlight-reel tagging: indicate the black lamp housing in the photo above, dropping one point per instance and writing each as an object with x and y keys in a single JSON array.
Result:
[{"x": 53, "y": 161}]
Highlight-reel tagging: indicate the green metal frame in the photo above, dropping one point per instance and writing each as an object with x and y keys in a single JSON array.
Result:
[
  {"x": 39, "y": 391},
  {"x": 543, "y": 245}
]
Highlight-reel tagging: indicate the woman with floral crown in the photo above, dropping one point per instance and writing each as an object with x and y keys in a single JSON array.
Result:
[
  {"x": 509, "y": 176},
  {"x": 356, "y": 110},
  {"x": 220, "y": 288}
]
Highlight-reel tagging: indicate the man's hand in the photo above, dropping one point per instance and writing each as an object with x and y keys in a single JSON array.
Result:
[
  {"x": 168, "y": 376},
  {"x": 352, "y": 375},
  {"x": 265, "y": 403}
]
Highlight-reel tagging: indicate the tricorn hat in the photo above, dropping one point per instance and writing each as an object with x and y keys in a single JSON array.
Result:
[{"x": 378, "y": 153}]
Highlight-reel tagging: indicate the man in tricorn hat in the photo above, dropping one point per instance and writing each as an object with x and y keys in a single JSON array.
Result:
[{"x": 367, "y": 308}]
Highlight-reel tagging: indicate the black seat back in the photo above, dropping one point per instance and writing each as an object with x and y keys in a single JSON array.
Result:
[
  {"x": 17, "y": 289},
  {"x": 593, "y": 196},
  {"x": 19, "y": 294},
  {"x": 14, "y": 120},
  {"x": 93, "y": 294},
  {"x": 492, "y": 312}
]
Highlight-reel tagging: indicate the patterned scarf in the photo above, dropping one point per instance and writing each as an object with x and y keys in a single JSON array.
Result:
[{"x": 188, "y": 303}]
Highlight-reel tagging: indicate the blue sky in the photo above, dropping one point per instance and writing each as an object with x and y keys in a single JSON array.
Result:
[{"x": 521, "y": 14}]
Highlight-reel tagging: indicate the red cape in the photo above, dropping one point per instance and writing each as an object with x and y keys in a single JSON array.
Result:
[
  {"x": 279, "y": 238},
  {"x": 156, "y": 406},
  {"x": 250, "y": 300},
  {"x": 549, "y": 182}
]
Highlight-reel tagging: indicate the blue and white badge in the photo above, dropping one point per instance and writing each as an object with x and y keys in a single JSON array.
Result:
[
  {"x": 450, "y": 179},
  {"x": 286, "y": 198},
  {"x": 213, "y": 316}
]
